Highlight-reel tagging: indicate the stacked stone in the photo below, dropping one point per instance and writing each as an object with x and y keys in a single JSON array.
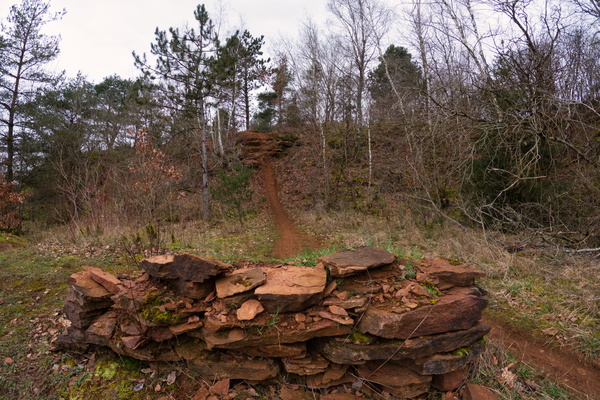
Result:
[{"x": 380, "y": 320}]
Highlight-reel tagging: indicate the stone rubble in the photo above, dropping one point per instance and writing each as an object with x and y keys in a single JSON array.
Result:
[{"x": 372, "y": 324}]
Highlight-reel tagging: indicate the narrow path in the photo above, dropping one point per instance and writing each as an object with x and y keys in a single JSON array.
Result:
[
  {"x": 290, "y": 242},
  {"x": 559, "y": 365}
]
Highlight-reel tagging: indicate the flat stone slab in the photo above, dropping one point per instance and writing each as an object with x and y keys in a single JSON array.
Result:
[
  {"x": 444, "y": 272},
  {"x": 88, "y": 290},
  {"x": 397, "y": 380},
  {"x": 193, "y": 290},
  {"x": 239, "y": 338},
  {"x": 291, "y": 350},
  {"x": 311, "y": 365},
  {"x": 80, "y": 317},
  {"x": 460, "y": 309},
  {"x": 351, "y": 262},
  {"x": 333, "y": 376},
  {"x": 185, "y": 266},
  {"x": 444, "y": 363},
  {"x": 343, "y": 351},
  {"x": 106, "y": 279},
  {"x": 477, "y": 392},
  {"x": 227, "y": 367},
  {"x": 101, "y": 331},
  {"x": 240, "y": 281},
  {"x": 291, "y": 288}
]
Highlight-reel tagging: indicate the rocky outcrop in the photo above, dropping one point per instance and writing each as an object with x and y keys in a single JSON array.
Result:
[{"x": 377, "y": 325}]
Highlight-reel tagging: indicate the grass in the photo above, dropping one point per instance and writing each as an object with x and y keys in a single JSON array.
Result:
[
  {"x": 536, "y": 289},
  {"x": 500, "y": 371}
]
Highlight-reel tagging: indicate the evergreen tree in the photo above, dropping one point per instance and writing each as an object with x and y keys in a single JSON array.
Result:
[
  {"x": 394, "y": 82},
  {"x": 184, "y": 61},
  {"x": 24, "y": 50}
]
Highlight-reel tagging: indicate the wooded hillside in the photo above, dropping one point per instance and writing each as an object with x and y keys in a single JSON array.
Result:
[{"x": 484, "y": 113}]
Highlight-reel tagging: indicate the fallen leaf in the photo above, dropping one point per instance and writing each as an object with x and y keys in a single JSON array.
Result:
[
  {"x": 8, "y": 360},
  {"x": 171, "y": 378}
]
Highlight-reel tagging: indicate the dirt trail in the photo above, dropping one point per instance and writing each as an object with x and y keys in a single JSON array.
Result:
[
  {"x": 559, "y": 365},
  {"x": 290, "y": 241}
]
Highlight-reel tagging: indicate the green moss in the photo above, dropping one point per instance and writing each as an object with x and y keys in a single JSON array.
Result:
[
  {"x": 106, "y": 369},
  {"x": 154, "y": 314},
  {"x": 359, "y": 337}
]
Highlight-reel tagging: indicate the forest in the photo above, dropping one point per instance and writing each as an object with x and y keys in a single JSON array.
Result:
[
  {"x": 467, "y": 130},
  {"x": 486, "y": 124}
]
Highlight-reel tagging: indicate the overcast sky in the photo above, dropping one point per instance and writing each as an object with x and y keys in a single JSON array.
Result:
[{"x": 98, "y": 36}]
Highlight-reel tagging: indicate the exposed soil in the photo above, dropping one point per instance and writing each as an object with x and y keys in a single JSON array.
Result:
[
  {"x": 290, "y": 241},
  {"x": 561, "y": 365},
  {"x": 257, "y": 149}
]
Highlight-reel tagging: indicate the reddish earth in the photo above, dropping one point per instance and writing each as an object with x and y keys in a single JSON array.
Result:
[
  {"x": 290, "y": 241},
  {"x": 560, "y": 365},
  {"x": 257, "y": 149}
]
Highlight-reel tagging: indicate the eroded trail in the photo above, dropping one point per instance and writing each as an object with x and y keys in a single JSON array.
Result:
[
  {"x": 559, "y": 365},
  {"x": 290, "y": 241}
]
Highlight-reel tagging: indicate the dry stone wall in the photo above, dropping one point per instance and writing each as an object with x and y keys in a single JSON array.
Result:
[{"x": 359, "y": 315}]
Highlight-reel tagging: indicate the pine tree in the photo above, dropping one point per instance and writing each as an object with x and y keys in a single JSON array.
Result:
[
  {"x": 24, "y": 51},
  {"x": 183, "y": 66}
]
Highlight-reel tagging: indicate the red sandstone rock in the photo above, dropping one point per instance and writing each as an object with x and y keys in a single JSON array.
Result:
[
  {"x": 397, "y": 380},
  {"x": 184, "y": 266},
  {"x": 228, "y": 367},
  {"x": 221, "y": 388},
  {"x": 339, "y": 396},
  {"x": 334, "y": 375},
  {"x": 238, "y": 338},
  {"x": 131, "y": 342},
  {"x": 343, "y": 351},
  {"x": 354, "y": 302},
  {"x": 291, "y": 350},
  {"x": 445, "y": 362},
  {"x": 291, "y": 288},
  {"x": 193, "y": 290},
  {"x": 449, "y": 274},
  {"x": 239, "y": 281},
  {"x": 160, "y": 333},
  {"x": 186, "y": 327},
  {"x": 354, "y": 261},
  {"x": 457, "y": 310},
  {"x": 249, "y": 310},
  {"x": 102, "y": 329},
  {"x": 289, "y": 394},
  {"x": 79, "y": 316},
  {"x": 108, "y": 280},
  {"x": 452, "y": 380},
  {"x": 310, "y": 365},
  {"x": 476, "y": 392},
  {"x": 86, "y": 290}
]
